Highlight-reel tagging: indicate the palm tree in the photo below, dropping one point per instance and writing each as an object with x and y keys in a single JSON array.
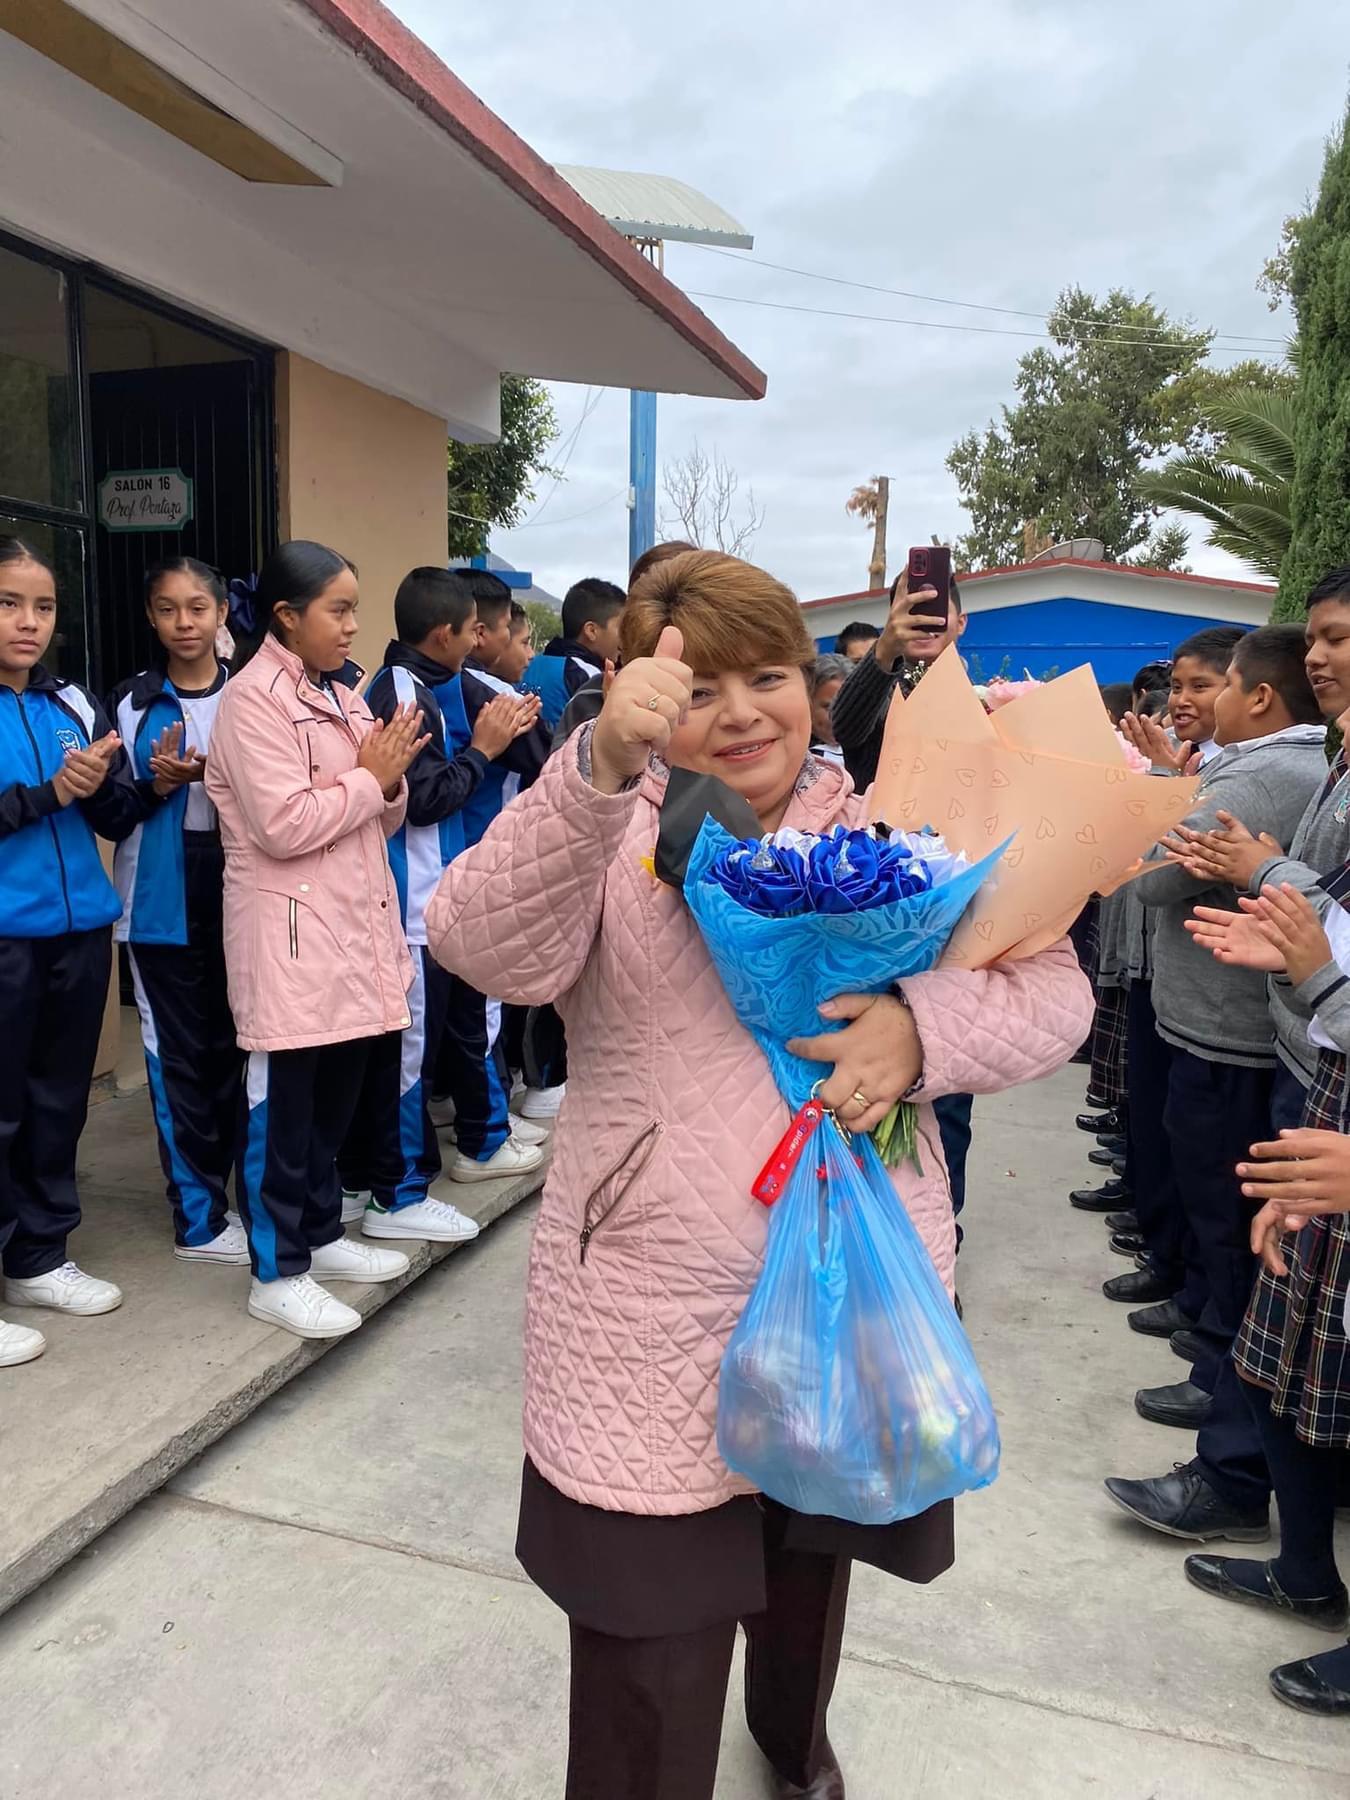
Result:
[{"x": 1242, "y": 488}]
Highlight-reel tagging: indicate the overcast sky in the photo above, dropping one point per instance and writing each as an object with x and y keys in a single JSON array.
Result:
[{"x": 983, "y": 150}]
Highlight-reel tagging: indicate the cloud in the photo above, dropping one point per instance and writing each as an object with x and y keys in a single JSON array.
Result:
[{"x": 988, "y": 150}]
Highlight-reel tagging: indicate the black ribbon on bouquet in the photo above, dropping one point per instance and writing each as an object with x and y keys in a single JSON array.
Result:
[{"x": 690, "y": 799}]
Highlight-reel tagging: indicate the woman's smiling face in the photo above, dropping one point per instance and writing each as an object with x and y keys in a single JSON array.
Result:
[{"x": 750, "y": 728}]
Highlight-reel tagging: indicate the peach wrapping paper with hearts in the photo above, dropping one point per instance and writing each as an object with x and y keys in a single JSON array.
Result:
[{"x": 1047, "y": 771}]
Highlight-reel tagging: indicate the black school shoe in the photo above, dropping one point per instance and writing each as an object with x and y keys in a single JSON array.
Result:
[
  {"x": 1122, "y": 1221},
  {"x": 1182, "y": 1404},
  {"x": 1137, "y": 1288},
  {"x": 1099, "y": 1124},
  {"x": 1210, "y": 1574},
  {"x": 1160, "y": 1321},
  {"x": 1127, "y": 1243},
  {"x": 1102, "y": 1158},
  {"x": 1093, "y": 1098},
  {"x": 1189, "y": 1346},
  {"x": 1105, "y": 1198},
  {"x": 1301, "y": 1684},
  {"x": 1184, "y": 1505}
]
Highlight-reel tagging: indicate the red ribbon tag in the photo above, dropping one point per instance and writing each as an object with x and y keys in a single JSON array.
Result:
[{"x": 777, "y": 1172}]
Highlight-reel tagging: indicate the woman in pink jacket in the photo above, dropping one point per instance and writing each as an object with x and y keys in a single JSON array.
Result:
[
  {"x": 648, "y": 1242},
  {"x": 307, "y": 786}
]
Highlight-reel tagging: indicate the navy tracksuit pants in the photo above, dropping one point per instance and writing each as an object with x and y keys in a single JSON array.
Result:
[
  {"x": 1153, "y": 1177},
  {"x": 1229, "y": 1446},
  {"x": 471, "y": 1069},
  {"x": 392, "y": 1150},
  {"x": 294, "y": 1113},
  {"x": 192, "y": 1058},
  {"x": 52, "y": 995}
]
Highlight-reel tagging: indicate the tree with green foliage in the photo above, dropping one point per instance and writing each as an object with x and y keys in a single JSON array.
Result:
[
  {"x": 1319, "y": 282},
  {"x": 492, "y": 484},
  {"x": 545, "y": 624},
  {"x": 1240, "y": 486},
  {"x": 1120, "y": 387}
]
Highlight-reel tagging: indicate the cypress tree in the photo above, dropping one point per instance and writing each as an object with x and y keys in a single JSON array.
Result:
[{"x": 1320, "y": 498}]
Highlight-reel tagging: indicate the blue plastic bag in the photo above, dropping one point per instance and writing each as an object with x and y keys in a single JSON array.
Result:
[{"x": 849, "y": 1386}]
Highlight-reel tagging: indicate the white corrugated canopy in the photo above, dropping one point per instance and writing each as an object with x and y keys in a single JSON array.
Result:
[{"x": 657, "y": 206}]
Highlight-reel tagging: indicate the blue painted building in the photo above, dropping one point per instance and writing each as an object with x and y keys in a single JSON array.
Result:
[{"x": 1046, "y": 617}]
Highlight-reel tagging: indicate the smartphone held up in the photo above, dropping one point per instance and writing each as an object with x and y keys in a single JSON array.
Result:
[{"x": 930, "y": 566}]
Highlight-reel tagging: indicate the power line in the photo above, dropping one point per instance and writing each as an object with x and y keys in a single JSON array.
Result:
[
  {"x": 1016, "y": 312},
  {"x": 534, "y": 524},
  {"x": 588, "y": 406},
  {"x": 947, "y": 325}
]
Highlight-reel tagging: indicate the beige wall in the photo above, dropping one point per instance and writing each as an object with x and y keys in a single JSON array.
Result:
[{"x": 365, "y": 474}]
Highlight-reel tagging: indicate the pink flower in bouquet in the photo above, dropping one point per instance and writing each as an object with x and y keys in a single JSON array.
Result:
[
  {"x": 999, "y": 692},
  {"x": 1135, "y": 760}
]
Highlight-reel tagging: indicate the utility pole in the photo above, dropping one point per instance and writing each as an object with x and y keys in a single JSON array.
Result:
[{"x": 876, "y": 569}]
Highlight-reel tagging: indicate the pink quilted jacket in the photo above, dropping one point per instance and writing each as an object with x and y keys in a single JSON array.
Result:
[
  {"x": 648, "y": 1241},
  {"x": 314, "y": 946}
]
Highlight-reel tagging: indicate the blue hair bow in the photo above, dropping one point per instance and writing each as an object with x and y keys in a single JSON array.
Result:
[{"x": 241, "y": 594}]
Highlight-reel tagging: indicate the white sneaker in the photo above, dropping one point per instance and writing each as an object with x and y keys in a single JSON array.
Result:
[
  {"x": 66, "y": 1289},
  {"x": 542, "y": 1103},
  {"x": 229, "y": 1247},
  {"x": 514, "y": 1158},
  {"x": 525, "y": 1131},
  {"x": 441, "y": 1112},
  {"x": 348, "y": 1259},
  {"x": 354, "y": 1203},
  {"x": 299, "y": 1305},
  {"x": 434, "y": 1221},
  {"x": 18, "y": 1344}
]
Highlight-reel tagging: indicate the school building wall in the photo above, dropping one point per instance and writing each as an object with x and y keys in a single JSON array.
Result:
[{"x": 364, "y": 473}]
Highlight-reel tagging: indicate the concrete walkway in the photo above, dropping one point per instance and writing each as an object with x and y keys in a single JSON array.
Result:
[
  {"x": 326, "y": 1606},
  {"x": 121, "y": 1402}
]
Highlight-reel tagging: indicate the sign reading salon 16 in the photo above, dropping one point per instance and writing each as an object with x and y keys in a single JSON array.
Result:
[{"x": 145, "y": 500}]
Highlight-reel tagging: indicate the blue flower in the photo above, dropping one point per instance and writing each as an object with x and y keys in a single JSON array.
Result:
[{"x": 794, "y": 873}]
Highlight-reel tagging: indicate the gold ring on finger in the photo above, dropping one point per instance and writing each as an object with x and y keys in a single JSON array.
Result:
[{"x": 860, "y": 1100}]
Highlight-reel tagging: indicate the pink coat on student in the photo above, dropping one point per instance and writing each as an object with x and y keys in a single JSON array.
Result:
[
  {"x": 314, "y": 944},
  {"x": 670, "y": 1113}
]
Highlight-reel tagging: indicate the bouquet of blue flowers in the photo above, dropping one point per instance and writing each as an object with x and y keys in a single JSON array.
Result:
[
  {"x": 795, "y": 918},
  {"x": 849, "y": 1387}
]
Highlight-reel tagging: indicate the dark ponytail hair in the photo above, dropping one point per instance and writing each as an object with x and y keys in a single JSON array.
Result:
[
  {"x": 294, "y": 575},
  {"x": 211, "y": 579},
  {"x": 17, "y": 549}
]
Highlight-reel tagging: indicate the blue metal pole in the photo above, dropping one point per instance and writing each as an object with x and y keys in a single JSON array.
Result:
[{"x": 641, "y": 473}]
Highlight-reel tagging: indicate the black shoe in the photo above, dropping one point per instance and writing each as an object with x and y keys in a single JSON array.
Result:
[
  {"x": 1112, "y": 1141},
  {"x": 1299, "y": 1684},
  {"x": 1138, "y": 1287},
  {"x": 1119, "y": 1166},
  {"x": 1160, "y": 1321},
  {"x": 828, "y": 1784},
  {"x": 1183, "y": 1404},
  {"x": 1189, "y": 1347},
  {"x": 1127, "y": 1243},
  {"x": 1184, "y": 1505},
  {"x": 1332, "y": 1613},
  {"x": 1094, "y": 1099},
  {"x": 1122, "y": 1221},
  {"x": 1097, "y": 1123},
  {"x": 1103, "y": 1158},
  {"x": 1106, "y": 1198}
]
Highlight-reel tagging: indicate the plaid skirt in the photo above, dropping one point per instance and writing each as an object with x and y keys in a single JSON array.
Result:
[
  {"x": 1108, "y": 1045},
  {"x": 1293, "y": 1340}
]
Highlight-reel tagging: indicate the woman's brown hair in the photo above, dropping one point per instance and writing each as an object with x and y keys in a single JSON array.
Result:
[{"x": 732, "y": 615}]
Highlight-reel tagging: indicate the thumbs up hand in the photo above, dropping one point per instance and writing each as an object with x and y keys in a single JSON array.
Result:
[{"x": 646, "y": 702}]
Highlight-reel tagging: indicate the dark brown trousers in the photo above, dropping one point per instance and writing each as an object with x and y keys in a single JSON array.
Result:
[{"x": 646, "y": 1713}]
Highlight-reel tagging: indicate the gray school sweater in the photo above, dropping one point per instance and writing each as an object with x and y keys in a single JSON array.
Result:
[
  {"x": 1319, "y": 848},
  {"x": 1214, "y": 1011}
]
